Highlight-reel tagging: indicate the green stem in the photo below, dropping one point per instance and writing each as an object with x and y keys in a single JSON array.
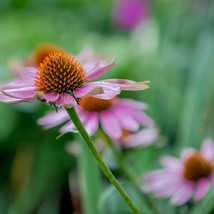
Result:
[{"x": 83, "y": 133}]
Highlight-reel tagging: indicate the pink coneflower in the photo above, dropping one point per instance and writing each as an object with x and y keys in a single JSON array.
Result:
[
  {"x": 128, "y": 14},
  {"x": 62, "y": 79},
  {"x": 191, "y": 176},
  {"x": 144, "y": 137},
  {"x": 114, "y": 115}
]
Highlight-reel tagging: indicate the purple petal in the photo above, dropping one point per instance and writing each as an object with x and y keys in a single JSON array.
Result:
[
  {"x": 65, "y": 99},
  {"x": 110, "y": 124},
  {"x": 126, "y": 121},
  {"x": 68, "y": 127},
  {"x": 26, "y": 93},
  {"x": 51, "y": 97},
  {"x": 71, "y": 127},
  {"x": 186, "y": 153},
  {"x": 207, "y": 149},
  {"x": 28, "y": 74},
  {"x": 139, "y": 116},
  {"x": 87, "y": 55},
  {"x": 202, "y": 188},
  {"x": 92, "y": 123},
  {"x": 159, "y": 180},
  {"x": 128, "y": 85},
  {"x": 90, "y": 66},
  {"x": 168, "y": 190},
  {"x": 128, "y": 14},
  {"x": 129, "y": 103},
  {"x": 182, "y": 194},
  {"x": 171, "y": 163},
  {"x": 97, "y": 70},
  {"x": 97, "y": 89},
  {"x": 53, "y": 119},
  {"x": 26, "y": 79},
  {"x": 143, "y": 138},
  {"x": 6, "y": 99}
]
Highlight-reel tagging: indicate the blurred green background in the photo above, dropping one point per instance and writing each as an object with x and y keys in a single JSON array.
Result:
[{"x": 173, "y": 48}]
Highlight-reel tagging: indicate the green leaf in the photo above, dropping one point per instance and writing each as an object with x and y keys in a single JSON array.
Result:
[
  {"x": 111, "y": 201},
  {"x": 90, "y": 179},
  {"x": 8, "y": 118}
]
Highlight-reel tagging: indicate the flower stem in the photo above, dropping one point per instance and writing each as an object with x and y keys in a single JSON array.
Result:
[{"x": 83, "y": 133}]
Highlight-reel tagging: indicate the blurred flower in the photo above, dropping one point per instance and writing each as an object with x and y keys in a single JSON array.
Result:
[
  {"x": 62, "y": 80},
  {"x": 143, "y": 137},
  {"x": 128, "y": 14},
  {"x": 114, "y": 115},
  {"x": 38, "y": 55},
  {"x": 41, "y": 52},
  {"x": 192, "y": 175}
]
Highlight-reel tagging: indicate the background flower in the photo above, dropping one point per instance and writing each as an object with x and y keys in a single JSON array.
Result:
[
  {"x": 128, "y": 14},
  {"x": 141, "y": 138},
  {"x": 113, "y": 115},
  {"x": 192, "y": 175}
]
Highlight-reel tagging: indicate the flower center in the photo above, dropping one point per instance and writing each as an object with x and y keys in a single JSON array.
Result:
[
  {"x": 125, "y": 133},
  {"x": 96, "y": 104},
  {"x": 42, "y": 51},
  {"x": 59, "y": 73},
  {"x": 197, "y": 167}
]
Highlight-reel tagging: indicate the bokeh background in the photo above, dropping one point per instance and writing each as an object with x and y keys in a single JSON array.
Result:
[{"x": 171, "y": 44}]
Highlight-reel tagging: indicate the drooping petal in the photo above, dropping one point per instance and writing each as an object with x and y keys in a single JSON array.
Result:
[
  {"x": 93, "y": 65},
  {"x": 159, "y": 180},
  {"x": 53, "y": 118},
  {"x": 202, "y": 188},
  {"x": 65, "y": 99},
  {"x": 207, "y": 149},
  {"x": 92, "y": 123},
  {"x": 168, "y": 191},
  {"x": 25, "y": 93},
  {"x": 127, "y": 122},
  {"x": 4, "y": 98},
  {"x": 128, "y": 85},
  {"x": 139, "y": 116},
  {"x": 129, "y": 103},
  {"x": 68, "y": 127},
  {"x": 142, "y": 138},
  {"x": 182, "y": 194},
  {"x": 110, "y": 124},
  {"x": 97, "y": 89},
  {"x": 98, "y": 69},
  {"x": 51, "y": 97}
]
